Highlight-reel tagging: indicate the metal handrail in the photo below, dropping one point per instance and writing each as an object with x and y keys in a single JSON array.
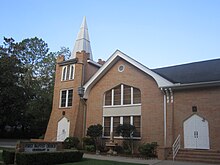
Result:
[{"x": 176, "y": 146}]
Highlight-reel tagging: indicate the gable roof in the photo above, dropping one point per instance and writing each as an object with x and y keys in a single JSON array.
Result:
[
  {"x": 161, "y": 82},
  {"x": 197, "y": 72}
]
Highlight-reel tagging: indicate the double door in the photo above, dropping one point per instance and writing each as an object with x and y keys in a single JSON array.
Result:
[{"x": 196, "y": 133}]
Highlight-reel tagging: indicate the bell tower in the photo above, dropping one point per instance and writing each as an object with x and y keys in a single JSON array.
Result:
[{"x": 67, "y": 117}]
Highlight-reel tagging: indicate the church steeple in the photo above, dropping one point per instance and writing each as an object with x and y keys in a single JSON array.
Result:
[{"x": 82, "y": 41}]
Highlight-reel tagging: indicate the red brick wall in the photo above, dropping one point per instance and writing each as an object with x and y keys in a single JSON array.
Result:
[
  {"x": 74, "y": 113},
  {"x": 151, "y": 98},
  {"x": 208, "y": 106}
]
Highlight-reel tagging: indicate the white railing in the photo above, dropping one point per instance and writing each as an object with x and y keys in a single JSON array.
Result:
[{"x": 176, "y": 146}]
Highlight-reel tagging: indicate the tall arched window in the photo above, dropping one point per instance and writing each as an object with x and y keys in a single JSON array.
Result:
[
  {"x": 64, "y": 73},
  {"x": 122, "y": 95},
  {"x": 71, "y": 72},
  {"x": 68, "y": 72}
]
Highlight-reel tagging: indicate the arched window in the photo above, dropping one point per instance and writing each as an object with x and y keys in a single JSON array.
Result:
[
  {"x": 71, "y": 72},
  {"x": 122, "y": 95},
  {"x": 64, "y": 73}
]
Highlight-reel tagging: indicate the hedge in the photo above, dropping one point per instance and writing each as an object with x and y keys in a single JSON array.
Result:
[
  {"x": 8, "y": 156},
  {"x": 47, "y": 158},
  {"x": 38, "y": 158}
]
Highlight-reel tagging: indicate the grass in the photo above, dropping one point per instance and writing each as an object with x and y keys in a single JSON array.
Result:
[
  {"x": 1, "y": 149},
  {"x": 99, "y": 162},
  {"x": 1, "y": 155}
]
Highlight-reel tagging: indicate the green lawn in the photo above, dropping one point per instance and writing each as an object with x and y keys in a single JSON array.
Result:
[
  {"x": 89, "y": 162},
  {"x": 0, "y": 155},
  {"x": 98, "y": 162}
]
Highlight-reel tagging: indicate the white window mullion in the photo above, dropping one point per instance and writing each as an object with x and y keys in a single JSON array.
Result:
[
  {"x": 132, "y": 101},
  {"x": 60, "y": 98},
  {"x": 131, "y": 120},
  {"x": 112, "y": 97},
  {"x": 121, "y": 120},
  {"x": 103, "y": 125},
  {"x": 111, "y": 127},
  {"x": 122, "y": 94},
  {"x": 67, "y": 93},
  {"x": 64, "y": 73},
  {"x": 71, "y": 72}
]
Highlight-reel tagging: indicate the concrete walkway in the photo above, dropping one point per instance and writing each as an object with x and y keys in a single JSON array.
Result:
[{"x": 140, "y": 161}]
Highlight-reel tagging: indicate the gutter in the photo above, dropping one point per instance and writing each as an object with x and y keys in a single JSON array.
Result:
[{"x": 192, "y": 85}]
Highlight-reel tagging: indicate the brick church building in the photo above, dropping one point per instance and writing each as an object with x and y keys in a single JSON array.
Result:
[{"x": 161, "y": 103}]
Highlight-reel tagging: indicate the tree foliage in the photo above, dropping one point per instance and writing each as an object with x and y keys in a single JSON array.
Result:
[
  {"x": 127, "y": 131},
  {"x": 95, "y": 132},
  {"x": 27, "y": 71}
]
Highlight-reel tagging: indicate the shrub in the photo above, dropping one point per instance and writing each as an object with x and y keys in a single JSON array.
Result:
[
  {"x": 90, "y": 148},
  {"x": 48, "y": 158},
  {"x": 95, "y": 132},
  {"x": 119, "y": 149},
  {"x": 71, "y": 142},
  {"x": 148, "y": 149},
  {"x": 88, "y": 141},
  {"x": 8, "y": 156}
]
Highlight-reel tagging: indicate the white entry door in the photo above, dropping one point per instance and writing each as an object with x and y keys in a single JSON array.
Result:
[
  {"x": 196, "y": 133},
  {"x": 63, "y": 129}
]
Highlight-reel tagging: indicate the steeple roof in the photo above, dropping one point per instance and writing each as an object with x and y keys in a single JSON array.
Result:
[{"x": 82, "y": 41}]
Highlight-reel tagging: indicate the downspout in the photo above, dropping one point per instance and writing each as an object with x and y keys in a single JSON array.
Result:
[{"x": 164, "y": 116}]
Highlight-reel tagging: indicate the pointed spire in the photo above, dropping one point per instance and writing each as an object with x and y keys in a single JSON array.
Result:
[{"x": 82, "y": 41}]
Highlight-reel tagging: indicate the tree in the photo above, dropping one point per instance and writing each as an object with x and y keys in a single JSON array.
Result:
[
  {"x": 95, "y": 132},
  {"x": 13, "y": 96},
  {"x": 27, "y": 78},
  {"x": 64, "y": 51},
  {"x": 127, "y": 131},
  {"x": 39, "y": 81}
]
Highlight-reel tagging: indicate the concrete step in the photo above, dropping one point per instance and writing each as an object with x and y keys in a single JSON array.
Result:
[{"x": 205, "y": 156}]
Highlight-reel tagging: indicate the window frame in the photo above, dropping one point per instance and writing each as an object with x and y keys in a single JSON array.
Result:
[
  {"x": 71, "y": 72},
  {"x": 64, "y": 77},
  {"x": 122, "y": 96},
  {"x": 66, "y": 99},
  {"x": 121, "y": 122}
]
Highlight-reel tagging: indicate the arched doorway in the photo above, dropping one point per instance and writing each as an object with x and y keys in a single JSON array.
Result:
[
  {"x": 196, "y": 133},
  {"x": 63, "y": 129}
]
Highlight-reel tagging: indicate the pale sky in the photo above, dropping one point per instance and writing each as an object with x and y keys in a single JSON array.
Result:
[{"x": 156, "y": 33}]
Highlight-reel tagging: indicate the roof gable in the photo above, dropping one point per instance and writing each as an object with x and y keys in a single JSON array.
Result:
[{"x": 161, "y": 82}]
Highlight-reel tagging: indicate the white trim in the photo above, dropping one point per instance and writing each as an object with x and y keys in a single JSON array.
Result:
[
  {"x": 67, "y": 96},
  {"x": 122, "y": 97},
  {"x": 121, "y": 120},
  {"x": 122, "y": 111},
  {"x": 161, "y": 82},
  {"x": 111, "y": 125},
  {"x": 132, "y": 95},
  {"x": 123, "y": 68},
  {"x": 70, "y": 71},
  {"x": 112, "y": 103},
  {"x": 131, "y": 120},
  {"x": 122, "y": 94},
  {"x": 126, "y": 105},
  {"x": 94, "y": 63},
  {"x": 165, "y": 118},
  {"x": 64, "y": 79}
]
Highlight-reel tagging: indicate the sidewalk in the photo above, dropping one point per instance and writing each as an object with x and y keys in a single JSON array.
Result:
[{"x": 140, "y": 161}]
